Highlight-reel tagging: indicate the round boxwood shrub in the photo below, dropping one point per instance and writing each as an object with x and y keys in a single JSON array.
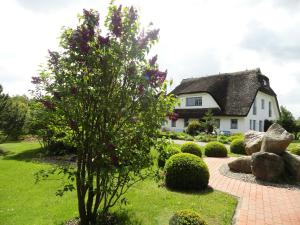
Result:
[
  {"x": 295, "y": 150},
  {"x": 215, "y": 149},
  {"x": 167, "y": 153},
  {"x": 192, "y": 148},
  {"x": 185, "y": 171},
  {"x": 193, "y": 128},
  {"x": 186, "y": 217},
  {"x": 238, "y": 146}
]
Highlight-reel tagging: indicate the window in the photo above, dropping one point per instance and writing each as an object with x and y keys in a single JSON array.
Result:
[
  {"x": 250, "y": 124},
  {"x": 270, "y": 109},
  {"x": 194, "y": 101},
  {"x": 186, "y": 122},
  {"x": 254, "y": 124},
  {"x": 262, "y": 104},
  {"x": 260, "y": 126},
  {"x": 173, "y": 123},
  {"x": 217, "y": 123},
  {"x": 254, "y": 107},
  {"x": 234, "y": 124},
  {"x": 163, "y": 123}
]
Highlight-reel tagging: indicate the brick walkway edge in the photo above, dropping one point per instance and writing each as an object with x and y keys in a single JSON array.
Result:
[{"x": 258, "y": 204}]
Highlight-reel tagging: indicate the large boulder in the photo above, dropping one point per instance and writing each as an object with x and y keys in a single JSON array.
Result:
[
  {"x": 292, "y": 164},
  {"x": 276, "y": 139},
  {"x": 267, "y": 166},
  {"x": 253, "y": 140},
  {"x": 241, "y": 165}
]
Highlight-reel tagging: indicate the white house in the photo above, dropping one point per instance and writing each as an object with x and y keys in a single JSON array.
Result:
[{"x": 239, "y": 101}]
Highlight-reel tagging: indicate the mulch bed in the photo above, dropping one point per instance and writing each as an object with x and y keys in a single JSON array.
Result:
[{"x": 250, "y": 178}]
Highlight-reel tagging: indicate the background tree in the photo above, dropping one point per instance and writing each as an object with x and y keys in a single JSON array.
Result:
[
  {"x": 208, "y": 122},
  {"x": 112, "y": 99},
  {"x": 288, "y": 122}
]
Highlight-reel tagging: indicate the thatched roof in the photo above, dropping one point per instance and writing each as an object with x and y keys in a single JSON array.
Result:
[{"x": 233, "y": 92}]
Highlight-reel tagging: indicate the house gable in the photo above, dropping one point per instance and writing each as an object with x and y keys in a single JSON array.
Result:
[{"x": 234, "y": 93}]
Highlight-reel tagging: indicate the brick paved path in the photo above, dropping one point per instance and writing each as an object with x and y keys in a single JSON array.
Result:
[{"x": 258, "y": 204}]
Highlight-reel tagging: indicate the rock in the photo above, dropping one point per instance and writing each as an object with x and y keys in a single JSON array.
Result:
[
  {"x": 241, "y": 165},
  {"x": 276, "y": 139},
  {"x": 266, "y": 166},
  {"x": 292, "y": 164},
  {"x": 253, "y": 140}
]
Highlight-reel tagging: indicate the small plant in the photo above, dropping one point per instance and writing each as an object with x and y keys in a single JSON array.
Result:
[
  {"x": 215, "y": 149},
  {"x": 186, "y": 217},
  {"x": 238, "y": 146},
  {"x": 295, "y": 150},
  {"x": 185, "y": 171},
  {"x": 166, "y": 153},
  {"x": 193, "y": 128},
  {"x": 192, "y": 148}
]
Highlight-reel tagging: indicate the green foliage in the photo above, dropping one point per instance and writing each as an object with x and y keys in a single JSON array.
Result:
[
  {"x": 236, "y": 136},
  {"x": 186, "y": 217},
  {"x": 112, "y": 99},
  {"x": 208, "y": 122},
  {"x": 194, "y": 127},
  {"x": 175, "y": 135},
  {"x": 166, "y": 153},
  {"x": 185, "y": 171},
  {"x": 288, "y": 122},
  {"x": 238, "y": 146},
  {"x": 223, "y": 139},
  {"x": 192, "y": 148},
  {"x": 295, "y": 150},
  {"x": 215, "y": 149},
  {"x": 13, "y": 118}
]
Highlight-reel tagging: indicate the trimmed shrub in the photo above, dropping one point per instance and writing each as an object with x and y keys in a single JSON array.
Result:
[
  {"x": 185, "y": 171},
  {"x": 215, "y": 149},
  {"x": 295, "y": 150},
  {"x": 193, "y": 128},
  {"x": 192, "y": 148},
  {"x": 238, "y": 146},
  {"x": 166, "y": 154},
  {"x": 186, "y": 217}
]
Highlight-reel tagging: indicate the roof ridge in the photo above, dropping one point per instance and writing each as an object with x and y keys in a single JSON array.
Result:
[{"x": 243, "y": 72}]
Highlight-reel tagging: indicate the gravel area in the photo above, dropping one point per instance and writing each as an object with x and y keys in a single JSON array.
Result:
[{"x": 250, "y": 178}]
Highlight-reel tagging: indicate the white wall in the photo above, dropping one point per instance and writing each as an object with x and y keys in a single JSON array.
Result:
[
  {"x": 225, "y": 121},
  {"x": 262, "y": 114},
  {"x": 207, "y": 101}
]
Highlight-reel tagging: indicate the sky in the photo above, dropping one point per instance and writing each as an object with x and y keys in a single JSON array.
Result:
[{"x": 197, "y": 38}]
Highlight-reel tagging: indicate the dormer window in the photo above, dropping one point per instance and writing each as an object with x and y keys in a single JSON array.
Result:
[
  {"x": 265, "y": 82},
  {"x": 194, "y": 101}
]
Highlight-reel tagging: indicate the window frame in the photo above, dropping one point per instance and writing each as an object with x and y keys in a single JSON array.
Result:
[
  {"x": 260, "y": 126},
  {"x": 270, "y": 109},
  {"x": 263, "y": 104},
  {"x": 254, "y": 110},
  {"x": 231, "y": 124},
  {"x": 194, "y": 100},
  {"x": 173, "y": 123},
  {"x": 253, "y": 124}
]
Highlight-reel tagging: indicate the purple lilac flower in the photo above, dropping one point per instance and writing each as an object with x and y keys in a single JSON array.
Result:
[
  {"x": 152, "y": 34},
  {"x": 117, "y": 21},
  {"x": 173, "y": 116},
  {"x": 36, "y": 80},
  {"x": 48, "y": 105},
  {"x": 153, "y": 60},
  {"x": 103, "y": 40},
  {"x": 54, "y": 57},
  {"x": 91, "y": 17},
  {"x": 132, "y": 14},
  {"x": 80, "y": 38}
]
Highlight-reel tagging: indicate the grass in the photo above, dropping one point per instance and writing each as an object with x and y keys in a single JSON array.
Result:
[{"x": 24, "y": 202}]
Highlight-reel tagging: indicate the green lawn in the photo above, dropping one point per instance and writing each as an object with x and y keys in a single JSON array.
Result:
[{"x": 23, "y": 202}]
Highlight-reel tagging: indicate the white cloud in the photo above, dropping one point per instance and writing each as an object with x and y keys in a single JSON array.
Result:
[{"x": 198, "y": 37}]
